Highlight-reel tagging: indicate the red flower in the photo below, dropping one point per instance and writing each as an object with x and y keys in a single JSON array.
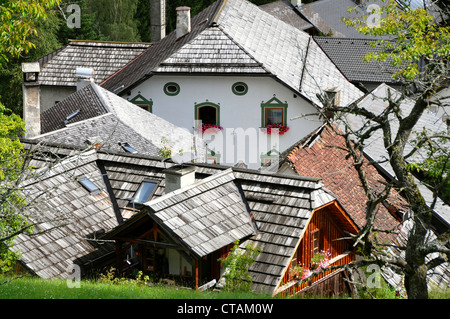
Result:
[
  {"x": 211, "y": 127},
  {"x": 281, "y": 128}
]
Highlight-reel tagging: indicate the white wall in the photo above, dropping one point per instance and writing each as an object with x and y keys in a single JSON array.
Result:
[
  {"x": 236, "y": 112},
  {"x": 52, "y": 94}
]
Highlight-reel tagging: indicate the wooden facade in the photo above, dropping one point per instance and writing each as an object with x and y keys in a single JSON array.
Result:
[
  {"x": 324, "y": 232},
  {"x": 148, "y": 248}
]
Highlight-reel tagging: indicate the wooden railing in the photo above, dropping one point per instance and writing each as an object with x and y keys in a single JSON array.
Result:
[{"x": 291, "y": 285}]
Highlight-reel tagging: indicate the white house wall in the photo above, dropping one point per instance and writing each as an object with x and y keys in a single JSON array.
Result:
[{"x": 241, "y": 114}]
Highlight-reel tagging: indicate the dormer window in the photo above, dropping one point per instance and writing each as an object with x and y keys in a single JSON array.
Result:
[{"x": 144, "y": 193}]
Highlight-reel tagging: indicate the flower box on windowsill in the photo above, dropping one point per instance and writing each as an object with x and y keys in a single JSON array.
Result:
[
  {"x": 210, "y": 128},
  {"x": 271, "y": 129}
]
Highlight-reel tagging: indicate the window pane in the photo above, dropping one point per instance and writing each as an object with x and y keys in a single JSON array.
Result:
[
  {"x": 143, "y": 193},
  {"x": 315, "y": 242},
  {"x": 274, "y": 116},
  {"x": 208, "y": 115}
]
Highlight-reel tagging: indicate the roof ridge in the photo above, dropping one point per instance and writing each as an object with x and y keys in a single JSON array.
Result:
[
  {"x": 100, "y": 42},
  {"x": 71, "y": 125},
  {"x": 97, "y": 89}
]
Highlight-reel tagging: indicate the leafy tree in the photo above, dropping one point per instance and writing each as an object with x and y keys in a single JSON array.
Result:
[
  {"x": 142, "y": 17},
  {"x": 18, "y": 26},
  {"x": 12, "y": 163},
  {"x": 46, "y": 40},
  {"x": 116, "y": 18},
  {"x": 89, "y": 25},
  {"x": 18, "y": 19}
]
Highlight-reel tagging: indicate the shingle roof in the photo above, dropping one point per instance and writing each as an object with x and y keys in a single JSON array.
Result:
[
  {"x": 105, "y": 118},
  {"x": 86, "y": 100},
  {"x": 58, "y": 68},
  {"x": 285, "y": 11},
  {"x": 280, "y": 205},
  {"x": 326, "y": 15},
  {"x": 348, "y": 55},
  {"x": 207, "y": 215},
  {"x": 139, "y": 69},
  {"x": 219, "y": 54},
  {"x": 67, "y": 215},
  {"x": 255, "y": 41}
]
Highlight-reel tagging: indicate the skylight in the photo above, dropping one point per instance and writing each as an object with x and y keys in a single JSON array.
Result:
[
  {"x": 128, "y": 148},
  {"x": 89, "y": 186},
  {"x": 144, "y": 192},
  {"x": 71, "y": 116}
]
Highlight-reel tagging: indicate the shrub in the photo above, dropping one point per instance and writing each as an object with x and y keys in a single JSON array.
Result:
[{"x": 236, "y": 265}]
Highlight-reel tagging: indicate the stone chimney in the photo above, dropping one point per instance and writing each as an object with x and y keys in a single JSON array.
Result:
[
  {"x": 296, "y": 3},
  {"x": 179, "y": 176},
  {"x": 157, "y": 20},
  {"x": 183, "y": 21},
  {"x": 333, "y": 94},
  {"x": 31, "y": 99},
  {"x": 84, "y": 77}
]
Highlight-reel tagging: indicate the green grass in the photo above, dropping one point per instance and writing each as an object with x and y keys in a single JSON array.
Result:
[{"x": 36, "y": 288}]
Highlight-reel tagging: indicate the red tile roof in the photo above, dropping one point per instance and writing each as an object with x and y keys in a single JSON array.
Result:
[{"x": 324, "y": 159}]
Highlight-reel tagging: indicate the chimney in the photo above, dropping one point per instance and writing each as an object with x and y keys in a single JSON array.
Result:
[
  {"x": 333, "y": 95},
  {"x": 179, "y": 176},
  {"x": 31, "y": 99},
  {"x": 183, "y": 21},
  {"x": 157, "y": 20},
  {"x": 84, "y": 76},
  {"x": 296, "y": 3}
]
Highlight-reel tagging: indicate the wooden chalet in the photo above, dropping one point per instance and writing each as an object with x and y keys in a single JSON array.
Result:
[{"x": 182, "y": 234}]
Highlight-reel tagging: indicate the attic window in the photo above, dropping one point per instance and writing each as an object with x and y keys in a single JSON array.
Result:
[
  {"x": 128, "y": 148},
  {"x": 171, "y": 89},
  {"x": 71, "y": 116},
  {"x": 144, "y": 192},
  {"x": 89, "y": 186},
  {"x": 240, "y": 88}
]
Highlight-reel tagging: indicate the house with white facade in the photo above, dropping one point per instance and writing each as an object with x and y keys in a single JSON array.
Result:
[{"x": 242, "y": 72}]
